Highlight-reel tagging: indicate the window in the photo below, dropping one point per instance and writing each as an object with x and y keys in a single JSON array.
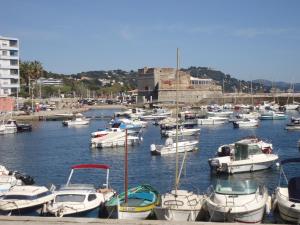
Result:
[
  {"x": 4, "y": 53},
  {"x": 69, "y": 198},
  {"x": 92, "y": 197},
  {"x": 14, "y": 72},
  {"x": 13, "y": 43},
  {"x": 13, "y": 53},
  {"x": 13, "y": 62}
]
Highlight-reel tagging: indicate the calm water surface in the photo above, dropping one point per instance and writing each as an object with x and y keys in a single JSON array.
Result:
[{"x": 48, "y": 152}]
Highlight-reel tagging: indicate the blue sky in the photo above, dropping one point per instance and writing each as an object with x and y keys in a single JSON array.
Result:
[{"x": 247, "y": 39}]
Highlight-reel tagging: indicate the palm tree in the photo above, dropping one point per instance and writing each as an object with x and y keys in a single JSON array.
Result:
[{"x": 30, "y": 70}]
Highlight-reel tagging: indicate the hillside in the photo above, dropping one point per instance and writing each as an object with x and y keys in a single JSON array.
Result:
[{"x": 93, "y": 80}]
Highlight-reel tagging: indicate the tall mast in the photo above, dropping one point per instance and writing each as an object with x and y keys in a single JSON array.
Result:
[
  {"x": 176, "y": 167},
  {"x": 126, "y": 168}
]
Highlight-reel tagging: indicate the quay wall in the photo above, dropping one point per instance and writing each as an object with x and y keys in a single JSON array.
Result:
[{"x": 24, "y": 220}]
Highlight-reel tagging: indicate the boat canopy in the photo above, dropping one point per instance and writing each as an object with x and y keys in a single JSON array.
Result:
[
  {"x": 236, "y": 187},
  {"x": 242, "y": 151},
  {"x": 292, "y": 160},
  {"x": 91, "y": 166}
]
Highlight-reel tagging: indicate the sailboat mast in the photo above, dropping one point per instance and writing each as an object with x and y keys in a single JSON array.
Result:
[
  {"x": 126, "y": 168},
  {"x": 176, "y": 167}
]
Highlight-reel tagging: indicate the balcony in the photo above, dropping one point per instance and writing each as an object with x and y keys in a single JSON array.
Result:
[
  {"x": 15, "y": 85},
  {"x": 9, "y": 76}
]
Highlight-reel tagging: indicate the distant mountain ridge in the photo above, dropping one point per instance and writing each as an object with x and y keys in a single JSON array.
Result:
[{"x": 279, "y": 84}]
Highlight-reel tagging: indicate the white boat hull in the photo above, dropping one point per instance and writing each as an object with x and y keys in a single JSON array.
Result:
[
  {"x": 115, "y": 143},
  {"x": 210, "y": 122},
  {"x": 240, "y": 166},
  {"x": 185, "y": 146},
  {"x": 175, "y": 214},
  {"x": 114, "y": 213},
  {"x": 225, "y": 215},
  {"x": 288, "y": 213}
]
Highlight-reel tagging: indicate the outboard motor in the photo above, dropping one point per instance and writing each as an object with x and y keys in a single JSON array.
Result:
[{"x": 26, "y": 179}]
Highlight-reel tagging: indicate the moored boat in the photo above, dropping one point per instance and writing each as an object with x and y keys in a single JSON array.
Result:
[
  {"x": 139, "y": 205},
  {"x": 246, "y": 155},
  {"x": 242, "y": 201},
  {"x": 25, "y": 200},
  {"x": 212, "y": 120},
  {"x": 78, "y": 120},
  {"x": 170, "y": 147},
  {"x": 294, "y": 124},
  {"x": 287, "y": 198},
  {"x": 80, "y": 199},
  {"x": 246, "y": 123},
  {"x": 179, "y": 205}
]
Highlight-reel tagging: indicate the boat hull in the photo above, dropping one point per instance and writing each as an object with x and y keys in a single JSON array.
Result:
[
  {"x": 176, "y": 215},
  {"x": 286, "y": 211},
  {"x": 35, "y": 210},
  {"x": 130, "y": 213},
  {"x": 239, "y": 168},
  {"x": 225, "y": 215}
]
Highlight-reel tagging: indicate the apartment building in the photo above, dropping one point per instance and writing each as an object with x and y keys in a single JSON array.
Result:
[{"x": 9, "y": 66}]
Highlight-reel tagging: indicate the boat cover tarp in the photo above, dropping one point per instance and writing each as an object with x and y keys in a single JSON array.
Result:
[
  {"x": 292, "y": 160},
  {"x": 90, "y": 166},
  {"x": 294, "y": 189},
  {"x": 142, "y": 195}
]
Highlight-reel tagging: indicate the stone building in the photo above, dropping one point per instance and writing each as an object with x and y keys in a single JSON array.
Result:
[{"x": 159, "y": 84}]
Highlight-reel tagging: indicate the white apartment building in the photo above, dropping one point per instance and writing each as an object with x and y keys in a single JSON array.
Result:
[{"x": 9, "y": 66}]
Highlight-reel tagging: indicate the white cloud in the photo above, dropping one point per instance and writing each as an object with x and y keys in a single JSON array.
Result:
[{"x": 254, "y": 32}]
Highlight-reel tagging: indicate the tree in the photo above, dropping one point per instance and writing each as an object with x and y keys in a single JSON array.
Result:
[{"x": 30, "y": 70}]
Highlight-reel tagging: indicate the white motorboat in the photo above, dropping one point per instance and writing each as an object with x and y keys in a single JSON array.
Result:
[
  {"x": 9, "y": 127},
  {"x": 170, "y": 147},
  {"x": 112, "y": 137},
  {"x": 287, "y": 199},
  {"x": 182, "y": 132},
  {"x": 241, "y": 201},
  {"x": 294, "y": 124},
  {"x": 25, "y": 200},
  {"x": 180, "y": 205},
  {"x": 158, "y": 114},
  {"x": 212, "y": 120},
  {"x": 292, "y": 106},
  {"x": 220, "y": 113},
  {"x": 246, "y": 123},
  {"x": 80, "y": 199},
  {"x": 246, "y": 155},
  {"x": 272, "y": 115},
  {"x": 78, "y": 120}
]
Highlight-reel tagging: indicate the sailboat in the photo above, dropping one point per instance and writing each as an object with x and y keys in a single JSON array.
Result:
[
  {"x": 294, "y": 105},
  {"x": 134, "y": 203},
  {"x": 179, "y": 205}
]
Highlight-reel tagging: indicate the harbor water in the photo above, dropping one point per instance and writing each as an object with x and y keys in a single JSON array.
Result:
[{"x": 48, "y": 152}]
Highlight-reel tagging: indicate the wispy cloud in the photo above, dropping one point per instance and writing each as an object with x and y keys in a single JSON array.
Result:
[
  {"x": 255, "y": 32},
  {"x": 126, "y": 33}
]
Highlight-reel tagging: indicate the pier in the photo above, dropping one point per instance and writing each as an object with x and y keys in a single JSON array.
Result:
[{"x": 17, "y": 220}]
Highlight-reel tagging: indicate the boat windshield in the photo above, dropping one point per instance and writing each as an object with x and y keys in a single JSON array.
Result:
[
  {"x": 70, "y": 198},
  {"x": 242, "y": 151},
  {"x": 236, "y": 187}
]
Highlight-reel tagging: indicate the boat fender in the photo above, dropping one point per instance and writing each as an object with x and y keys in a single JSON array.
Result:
[
  {"x": 273, "y": 203},
  {"x": 152, "y": 147},
  {"x": 268, "y": 205}
]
